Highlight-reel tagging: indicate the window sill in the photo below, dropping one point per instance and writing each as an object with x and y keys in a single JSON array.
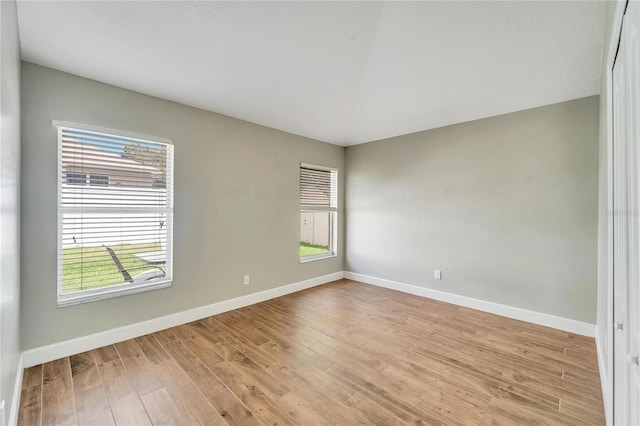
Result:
[
  {"x": 109, "y": 293},
  {"x": 313, "y": 258}
]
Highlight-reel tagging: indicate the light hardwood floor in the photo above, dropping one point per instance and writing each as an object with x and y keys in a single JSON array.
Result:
[{"x": 343, "y": 353}]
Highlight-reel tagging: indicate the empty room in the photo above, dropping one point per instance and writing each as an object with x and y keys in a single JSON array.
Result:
[{"x": 319, "y": 213}]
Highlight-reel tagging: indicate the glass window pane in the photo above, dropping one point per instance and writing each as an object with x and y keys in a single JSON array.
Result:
[
  {"x": 315, "y": 233},
  {"x": 103, "y": 250}
]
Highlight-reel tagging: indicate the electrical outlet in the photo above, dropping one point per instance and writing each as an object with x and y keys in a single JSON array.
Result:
[
  {"x": 438, "y": 274},
  {"x": 246, "y": 280}
]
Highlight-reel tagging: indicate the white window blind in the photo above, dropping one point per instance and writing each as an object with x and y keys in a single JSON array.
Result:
[
  {"x": 318, "y": 212},
  {"x": 115, "y": 213},
  {"x": 318, "y": 188}
]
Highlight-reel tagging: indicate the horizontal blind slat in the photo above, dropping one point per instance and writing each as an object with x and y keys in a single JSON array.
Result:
[{"x": 318, "y": 188}]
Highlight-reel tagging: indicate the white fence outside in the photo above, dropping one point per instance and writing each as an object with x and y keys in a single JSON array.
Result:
[
  {"x": 89, "y": 218},
  {"x": 315, "y": 228}
]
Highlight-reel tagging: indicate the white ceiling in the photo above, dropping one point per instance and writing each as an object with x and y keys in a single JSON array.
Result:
[{"x": 341, "y": 72}]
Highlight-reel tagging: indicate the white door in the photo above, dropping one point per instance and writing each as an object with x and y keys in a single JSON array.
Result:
[
  {"x": 626, "y": 235},
  {"x": 620, "y": 238},
  {"x": 632, "y": 48}
]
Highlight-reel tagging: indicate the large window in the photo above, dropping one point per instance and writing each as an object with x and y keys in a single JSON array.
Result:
[
  {"x": 318, "y": 212},
  {"x": 115, "y": 213}
]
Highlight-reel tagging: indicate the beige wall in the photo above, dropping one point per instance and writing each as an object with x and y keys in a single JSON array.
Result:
[
  {"x": 236, "y": 204},
  {"x": 506, "y": 207},
  {"x": 9, "y": 201}
]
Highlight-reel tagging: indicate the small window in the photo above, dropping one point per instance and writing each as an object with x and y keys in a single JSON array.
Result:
[
  {"x": 75, "y": 178},
  {"x": 98, "y": 180},
  {"x": 318, "y": 212},
  {"x": 115, "y": 213}
]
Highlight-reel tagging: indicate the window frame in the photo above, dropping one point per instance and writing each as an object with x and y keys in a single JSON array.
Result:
[
  {"x": 333, "y": 231},
  {"x": 92, "y": 295}
]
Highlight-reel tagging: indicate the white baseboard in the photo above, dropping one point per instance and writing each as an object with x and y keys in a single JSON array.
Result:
[
  {"x": 602, "y": 368},
  {"x": 566, "y": 324},
  {"x": 81, "y": 344},
  {"x": 55, "y": 351},
  {"x": 17, "y": 390}
]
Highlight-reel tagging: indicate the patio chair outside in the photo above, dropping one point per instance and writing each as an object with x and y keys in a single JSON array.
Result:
[{"x": 158, "y": 272}]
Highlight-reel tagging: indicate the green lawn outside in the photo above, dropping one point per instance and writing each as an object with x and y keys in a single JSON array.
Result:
[
  {"x": 92, "y": 267},
  {"x": 309, "y": 249}
]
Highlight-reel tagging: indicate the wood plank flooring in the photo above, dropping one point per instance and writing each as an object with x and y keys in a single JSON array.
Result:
[{"x": 344, "y": 353}]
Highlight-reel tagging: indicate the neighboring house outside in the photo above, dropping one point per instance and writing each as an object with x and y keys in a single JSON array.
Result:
[{"x": 95, "y": 168}]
